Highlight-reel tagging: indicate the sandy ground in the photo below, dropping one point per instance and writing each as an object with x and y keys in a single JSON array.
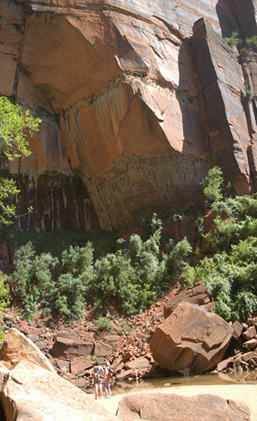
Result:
[{"x": 239, "y": 392}]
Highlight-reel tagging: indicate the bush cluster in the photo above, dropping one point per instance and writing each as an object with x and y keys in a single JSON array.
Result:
[
  {"x": 230, "y": 270},
  {"x": 129, "y": 279},
  {"x": 56, "y": 286}
]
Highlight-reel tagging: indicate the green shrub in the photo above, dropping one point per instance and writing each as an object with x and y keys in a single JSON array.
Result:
[
  {"x": 230, "y": 278},
  {"x": 78, "y": 260},
  {"x": 212, "y": 186},
  {"x": 251, "y": 42},
  {"x": 131, "y": 279},
  {"x": 235, "y": 40},
  {"x": 66, "y": 300},
  {"x": 5, "y": 296},
  {"x": 5, "y": 299},
  {"x": 175, "y": 260},
  {"x": 37, "y": 282},
  {"x": 229, "y": 229},
  {"x": 113, "y": 283},
  {"x": 103, "y": 324},
  {"x": 24, "y": 293}
]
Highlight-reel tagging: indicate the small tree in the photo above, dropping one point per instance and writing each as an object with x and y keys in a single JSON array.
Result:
[
  {"x": 235, "y": 40},
  {"x": 16, "y": 126},
  {"x": 212, "y": 185}
]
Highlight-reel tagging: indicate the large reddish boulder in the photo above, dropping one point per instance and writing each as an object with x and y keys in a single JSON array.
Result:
[{"x": 190, "y": 340}]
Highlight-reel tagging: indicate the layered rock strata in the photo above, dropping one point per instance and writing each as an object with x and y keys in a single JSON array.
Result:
[{"x": 130, "y": 105}]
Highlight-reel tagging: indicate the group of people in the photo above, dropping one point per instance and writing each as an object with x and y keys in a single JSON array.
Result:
[{"x": 102, "y": 374}]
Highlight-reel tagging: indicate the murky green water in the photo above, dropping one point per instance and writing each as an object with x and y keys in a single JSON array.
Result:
[{"x": 249, "y": 377}]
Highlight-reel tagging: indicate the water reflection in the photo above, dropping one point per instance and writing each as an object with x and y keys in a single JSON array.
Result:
[{"x": 246, "y": 377}]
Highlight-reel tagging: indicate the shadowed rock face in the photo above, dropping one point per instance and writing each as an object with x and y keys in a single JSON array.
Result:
[
  {"x": 130, "y": 104},
  {"x": 226, "y": 124}
]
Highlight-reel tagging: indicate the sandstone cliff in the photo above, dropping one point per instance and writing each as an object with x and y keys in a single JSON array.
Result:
[{"x": 138, "y": 99}]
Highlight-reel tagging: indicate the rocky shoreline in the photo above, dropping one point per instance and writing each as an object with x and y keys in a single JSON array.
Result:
[{"x": 125, "y": 342}]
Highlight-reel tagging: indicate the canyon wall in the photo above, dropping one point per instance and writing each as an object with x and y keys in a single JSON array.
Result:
[{"x": 138, "y": 99}]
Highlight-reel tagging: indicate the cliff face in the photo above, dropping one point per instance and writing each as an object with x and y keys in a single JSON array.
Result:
[{"x": 138, "y": 99}]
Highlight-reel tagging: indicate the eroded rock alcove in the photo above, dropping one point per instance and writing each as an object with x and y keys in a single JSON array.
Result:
[{"x": 137, "y": 101}]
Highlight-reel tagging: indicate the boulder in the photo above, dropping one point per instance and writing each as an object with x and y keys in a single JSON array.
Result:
[
  {"x": 170, "y": 407},
  {"x": 63, "y": 365},
  {"x": 113, "y": 340},
  {"x": 251, "y": 343},
  {"x": 126, "y": 374},
  {"x": 102, "y": 350},
  {"x": 78, "y": 366},
  {"x": 71, "y": 348},
  {"x": 249, "y": 333},
  {"x": 33, "y": 393},
  {"x": 237, "y": 330},
  {"x": 138, "y": 364},
  {"x": 196, "y": 295},
  {"x": 190, "y": 340},
  {"x": 17, "y": 347}
]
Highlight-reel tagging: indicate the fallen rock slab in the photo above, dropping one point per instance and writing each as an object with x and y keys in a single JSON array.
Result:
[
  {"x": 170, "y": 407},
  {"x": 71, "y": 348}
]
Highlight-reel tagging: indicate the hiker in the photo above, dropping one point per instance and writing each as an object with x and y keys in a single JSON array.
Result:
[
  {"x": 97, "y": 372},
  {"x": 107, "y": 379}
]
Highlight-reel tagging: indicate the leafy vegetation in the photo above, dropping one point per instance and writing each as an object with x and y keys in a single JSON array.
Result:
[
  {"x": 129, "y": 279},
  {"x": 42, "y": 281},
  {"x": 235, "y": 40},
  {"x": 136, "y": 272},
  {"x": 16, "y": 127},
  {"x": 212, "y": 186},
  {"x": 229, "y": 271},
  {"x": 103, "y": 324},
  {"x": 5, "y": 298}
]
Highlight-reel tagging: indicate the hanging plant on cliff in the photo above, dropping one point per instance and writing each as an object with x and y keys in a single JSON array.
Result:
[{"x": 16, "y": 127}]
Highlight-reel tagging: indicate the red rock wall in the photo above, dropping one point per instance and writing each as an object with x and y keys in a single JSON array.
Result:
[
  {"x": 128, "y": 103},
  {"x": 225, "y": 120}
]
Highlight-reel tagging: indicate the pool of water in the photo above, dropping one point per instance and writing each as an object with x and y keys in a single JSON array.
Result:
[{"x": 249, "y": 377}]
